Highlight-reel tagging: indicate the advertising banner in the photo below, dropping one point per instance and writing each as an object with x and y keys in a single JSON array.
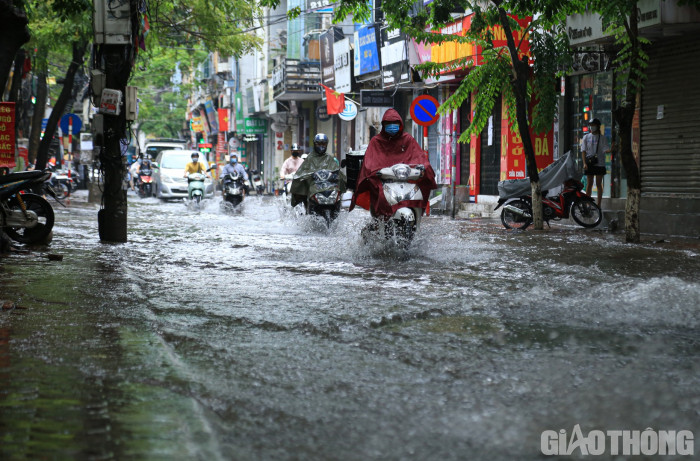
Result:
[{"x": 7, "y": 134}]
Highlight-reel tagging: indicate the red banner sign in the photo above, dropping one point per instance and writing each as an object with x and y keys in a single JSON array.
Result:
[{"x": 7, "y": 134}]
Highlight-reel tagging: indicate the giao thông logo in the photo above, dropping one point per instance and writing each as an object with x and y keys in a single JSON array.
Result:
[{"x": 617, "y": 442}]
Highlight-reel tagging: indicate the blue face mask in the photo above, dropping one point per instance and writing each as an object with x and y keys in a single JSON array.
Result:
[
  {"x": 233, "y": 161},
  {"x": 392, "y": 128}
]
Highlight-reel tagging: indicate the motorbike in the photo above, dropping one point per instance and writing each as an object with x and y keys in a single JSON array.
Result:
[
  {"x": 62, "y": 182},
  {"x": 325, "y": 202},
  {"x": 571, "y": 201},
  {"x": 26, "y": 217},
  {"x": 256, "y": 182},
  {"x": 233, "y": 190},
  {"x": 402, "y": 225},
  {"x": 145, "y": 182},
  {"x": 195, "y": 187}
]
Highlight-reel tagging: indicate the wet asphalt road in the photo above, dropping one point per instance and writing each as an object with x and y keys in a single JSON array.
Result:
[{"x": 263, "y": 336}]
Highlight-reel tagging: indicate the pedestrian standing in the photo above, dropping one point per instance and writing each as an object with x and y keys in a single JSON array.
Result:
[{"x": 594, "y": 146}]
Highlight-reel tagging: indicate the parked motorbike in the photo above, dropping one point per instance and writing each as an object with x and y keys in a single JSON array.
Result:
[
  {"x": 325, "y": 201},
  {"x": 25, "y": 217},
  {"x": 402, "y": 225},
  {"x": 233, "y": 190},
  {"x": 62, "y": 182},
  {"x": 145, "y": 182},
  {"x": 571, "y": 201}
]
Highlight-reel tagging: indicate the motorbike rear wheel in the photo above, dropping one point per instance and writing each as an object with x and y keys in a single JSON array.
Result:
[
  {"x": 586, "y": 213},
  {"x": 513, "y": 220},
  {"x": 42, "y": 229}
]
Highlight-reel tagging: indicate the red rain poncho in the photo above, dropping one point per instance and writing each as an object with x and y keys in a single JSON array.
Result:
[{"x": 385, "y": 151}]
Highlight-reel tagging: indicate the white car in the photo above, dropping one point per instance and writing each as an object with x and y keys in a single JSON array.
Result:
[
  {"x": 156, "y": 146},
  {"x": 168, "y": 174}
]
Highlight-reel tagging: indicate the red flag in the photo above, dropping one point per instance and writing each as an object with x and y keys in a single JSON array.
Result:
[
  {"x": 335, "y": 101},
  {"x": 223, "y": 119}
]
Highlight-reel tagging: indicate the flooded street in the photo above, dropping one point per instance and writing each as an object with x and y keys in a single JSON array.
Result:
[{"x": 263, "y": 336}]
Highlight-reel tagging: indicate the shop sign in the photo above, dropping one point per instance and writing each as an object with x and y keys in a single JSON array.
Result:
[
  {"x": 366, "y": 51},
  {"x": 350, "y": 111},
  {"x": 255, "y": 125},
  {"x": 322, "y": 113},
  {"x": 376, "y": 98},
  {"x": 395, "y": 68},
  {"x": 342, "y": 66},
  {"x": 326, "y": 41},
  {"x": 7, "y": 134}
]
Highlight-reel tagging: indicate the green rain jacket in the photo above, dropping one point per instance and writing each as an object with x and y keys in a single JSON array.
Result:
[{"x": 305, "y": 187}]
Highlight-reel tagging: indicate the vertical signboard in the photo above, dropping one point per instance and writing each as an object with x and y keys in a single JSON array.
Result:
[
  {"x": 240, "y": 118},
  {"x": 367, "y": 58},
  {"x": 7, "y": 134},
  {"x": 395, "y": 67},
  {"x": 327, "y": 40},
  {"x": 343, "y": 77}
]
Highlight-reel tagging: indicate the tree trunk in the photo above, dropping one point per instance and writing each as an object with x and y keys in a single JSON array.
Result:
[
  {"x": 13, "y": 34},
  {"x": 42, "y": 93},
  {"x": 632, "y": 215},
  {"x": 111, "y": 219},
  {"x": 60, "y": 106},
  {"x": 624, "y": 116},
  {"x": 521, "y": 74}
]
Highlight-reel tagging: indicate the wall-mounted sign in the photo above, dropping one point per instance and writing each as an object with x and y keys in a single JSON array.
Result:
[
  {"x": 376, "y": 98},
  {"x": 326, "y": 41},
  {"x": 322, "y": 113},
  {"x": 255, "y": 125},
  {"x": 350, "y": 111},
  {"x": 343, "y": 66},
  {"x": 7, "y": 134},
  {"x": 395, "y": 67},
  {"x": 366, "y": 51}
]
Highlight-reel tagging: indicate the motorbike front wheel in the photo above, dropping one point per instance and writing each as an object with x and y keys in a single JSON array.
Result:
[
  {"x": 586, "y": 213},
  {"x": 43, "y": 227},
  {"x": 511, "y": 219},
  {"x": 148, "y": 190}
]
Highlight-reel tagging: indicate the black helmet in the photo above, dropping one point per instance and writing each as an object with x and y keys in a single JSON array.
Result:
[
  {"x": 595, "y": 121},
  {"x": 194, "y": 154},
  {"x": 320, "y": 143}
]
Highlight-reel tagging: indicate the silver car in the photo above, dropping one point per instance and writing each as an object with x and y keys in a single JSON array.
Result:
[{"x": 168, "y": 174}]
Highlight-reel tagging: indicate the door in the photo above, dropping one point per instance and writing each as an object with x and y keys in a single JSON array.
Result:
[{"x": 490, "y": 165}]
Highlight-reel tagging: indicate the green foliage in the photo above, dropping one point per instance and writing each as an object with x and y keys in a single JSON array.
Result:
[
  {"x": 162, "y": 103},
  {"x": 226, "y": 26}
]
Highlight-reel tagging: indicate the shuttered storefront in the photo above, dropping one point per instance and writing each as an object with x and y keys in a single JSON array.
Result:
[{"x": 670, "y": 120}]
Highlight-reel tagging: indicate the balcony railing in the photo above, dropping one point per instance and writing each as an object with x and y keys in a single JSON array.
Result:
[{"x": 294, "y": 80}]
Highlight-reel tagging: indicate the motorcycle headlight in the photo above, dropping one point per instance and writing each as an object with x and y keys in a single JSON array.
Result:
[
  {"x": 401, "y": 171},
  {"x": 396, "y": 193}
]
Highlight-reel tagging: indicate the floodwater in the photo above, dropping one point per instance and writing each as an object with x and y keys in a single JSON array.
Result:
[{"x": 262, "y": 336}]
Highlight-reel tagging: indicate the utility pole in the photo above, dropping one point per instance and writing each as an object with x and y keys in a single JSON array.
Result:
[{"x": 114, "y": 55}]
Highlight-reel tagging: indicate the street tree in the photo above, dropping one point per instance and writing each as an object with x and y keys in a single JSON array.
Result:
[
  {"x": 13, "y": 35},
  {"x": 224, "y": 26},
  {"x": 61, "y": 30},
  {"x": 162, "y": 86},
  {"x": 505, "y": 72}
]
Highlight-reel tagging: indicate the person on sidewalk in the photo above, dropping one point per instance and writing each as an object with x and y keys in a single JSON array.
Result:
[{"x": 594, "y": 146}]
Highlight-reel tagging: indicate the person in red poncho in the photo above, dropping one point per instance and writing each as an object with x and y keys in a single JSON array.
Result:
[{"x": 391, "y": 146}]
